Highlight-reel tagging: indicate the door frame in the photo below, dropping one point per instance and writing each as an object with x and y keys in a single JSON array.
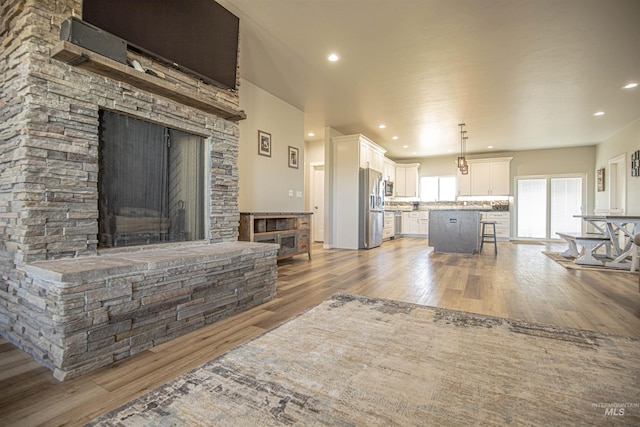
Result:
[
  {"x": 312, "y": 197},
  {"x": 616, "y": 185}
]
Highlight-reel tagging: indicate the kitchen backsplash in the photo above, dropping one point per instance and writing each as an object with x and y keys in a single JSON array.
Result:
[{"x": 497, "y": 205}]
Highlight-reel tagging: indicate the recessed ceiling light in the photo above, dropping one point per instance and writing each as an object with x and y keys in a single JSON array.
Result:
[
  {"x": 394, "y": 137},
  {"x": 630, "y": 86},
  {"x": 489, "y": 146},
  {"x": 382, "y": 126},
  {"x": 405, "y": 146},
  {"x": 599, "y": 113},
  {"x": 413, "y": 154},
  {"x": 333, "y": 57},
  {"x": 311, "y": 134}
]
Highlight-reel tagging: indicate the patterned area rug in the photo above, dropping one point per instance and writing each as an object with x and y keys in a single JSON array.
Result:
[{"x": 357, "y": 361}]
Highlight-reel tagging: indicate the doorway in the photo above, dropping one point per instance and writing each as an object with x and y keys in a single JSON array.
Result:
[
  {"x": 317, "y": 201},
  {"x": 617, "y": 184}
]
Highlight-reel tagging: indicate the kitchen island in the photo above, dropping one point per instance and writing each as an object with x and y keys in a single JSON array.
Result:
[{"x": 455, "y": 230}]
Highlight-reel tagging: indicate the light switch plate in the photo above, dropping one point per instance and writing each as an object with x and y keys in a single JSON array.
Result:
[
  {"x": 290, "y": 193},
  {"x": 298, "y": 193}
]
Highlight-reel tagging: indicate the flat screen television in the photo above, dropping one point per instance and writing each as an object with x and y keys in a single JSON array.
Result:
[{"x": 197, "y": 35}]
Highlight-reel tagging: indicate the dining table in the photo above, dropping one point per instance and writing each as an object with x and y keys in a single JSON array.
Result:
[{"x": 620, "y": 231}]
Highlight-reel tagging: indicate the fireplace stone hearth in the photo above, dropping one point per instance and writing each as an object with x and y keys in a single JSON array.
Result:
[{"x": 102, "y": 309}]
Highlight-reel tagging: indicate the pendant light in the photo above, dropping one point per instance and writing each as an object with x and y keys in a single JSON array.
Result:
[{"x": 462, "y": 160}]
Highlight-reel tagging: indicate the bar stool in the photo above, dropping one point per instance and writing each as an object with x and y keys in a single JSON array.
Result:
[{"x": 491, "y": 237}]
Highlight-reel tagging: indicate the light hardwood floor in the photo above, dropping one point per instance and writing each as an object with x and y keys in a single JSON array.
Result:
[{"x": 520, "y": 283}]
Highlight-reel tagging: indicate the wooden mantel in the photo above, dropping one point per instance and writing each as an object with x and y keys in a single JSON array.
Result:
[{"x": 83, "y": 58}]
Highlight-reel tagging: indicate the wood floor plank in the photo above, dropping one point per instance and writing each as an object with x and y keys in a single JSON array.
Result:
[{"x": 520, "y": 282}]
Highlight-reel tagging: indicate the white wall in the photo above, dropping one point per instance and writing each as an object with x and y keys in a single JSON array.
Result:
[
  {"x": 627, "y": 140},
  {"x": 265, "y": 181}
]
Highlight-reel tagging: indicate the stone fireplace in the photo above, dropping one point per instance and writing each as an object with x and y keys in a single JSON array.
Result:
[{"x": 64, "y": 298}]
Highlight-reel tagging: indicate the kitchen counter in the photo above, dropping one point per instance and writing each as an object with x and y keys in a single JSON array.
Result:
[{"x": 455, "y": 230}]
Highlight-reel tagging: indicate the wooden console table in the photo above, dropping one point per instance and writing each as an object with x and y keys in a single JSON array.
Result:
[{"x": 291, "y": 230}]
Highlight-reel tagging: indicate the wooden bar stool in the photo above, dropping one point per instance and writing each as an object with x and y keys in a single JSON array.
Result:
[{"x": 491, "y": 237}]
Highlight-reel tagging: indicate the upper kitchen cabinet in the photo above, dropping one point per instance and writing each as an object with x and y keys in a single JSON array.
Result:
[
  {"x": 389, "y": 172},
  {"x": 486, "y": 177},
  {"x": 371, "y": 154},
  {"x": 464, "y": 184},
  {"x": 406, "y": 184}
]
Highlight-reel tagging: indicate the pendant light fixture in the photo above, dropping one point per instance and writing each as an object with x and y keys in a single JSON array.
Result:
[{"x": 462, "y": 160}]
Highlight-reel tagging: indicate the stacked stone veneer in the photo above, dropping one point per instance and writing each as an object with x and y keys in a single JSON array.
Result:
[
  {"x": 90, "y": 313},
  {"x": 49, "y": 163}
]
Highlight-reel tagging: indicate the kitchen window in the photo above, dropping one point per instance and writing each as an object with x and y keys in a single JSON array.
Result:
[{"x": 437, "y": 188}]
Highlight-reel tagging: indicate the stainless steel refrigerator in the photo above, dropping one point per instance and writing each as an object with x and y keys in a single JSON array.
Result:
[{"x": 371, "y": 209}]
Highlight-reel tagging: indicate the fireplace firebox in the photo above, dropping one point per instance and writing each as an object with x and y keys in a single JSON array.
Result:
[{"x": 150, "y": 181}]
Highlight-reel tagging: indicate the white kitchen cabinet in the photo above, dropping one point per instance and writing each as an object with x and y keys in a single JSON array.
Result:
[
  {"x": 388, "y": 225},
  {"x": 406, "y": 184},
  {"x": 486, "y": 177},
  {"x": 503, "y": 223},
  {"x": 371, "y": 155},
  {"x": 464, "y": 184},
  {"x": 389, "y": 172},
  {"x": 411, "y": 223},
  {"x": 500, "y": 178},
  {"x": 423, "y": 226},
  {"x": 415, "y": 223},
  {"x": 480, "y": 179}
]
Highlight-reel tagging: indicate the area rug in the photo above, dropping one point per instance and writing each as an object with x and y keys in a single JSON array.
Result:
[
  {"x": 357, "y": 361},
  {"x": 568, "y": 262}
]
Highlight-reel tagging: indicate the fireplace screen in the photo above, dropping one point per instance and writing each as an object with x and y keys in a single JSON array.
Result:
[{"x": 151, "y": 183}]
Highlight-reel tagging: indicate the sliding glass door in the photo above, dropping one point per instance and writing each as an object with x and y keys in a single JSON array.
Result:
[
  {"x": 547, "y": 205},
  {"x": 532, "y": 208}
]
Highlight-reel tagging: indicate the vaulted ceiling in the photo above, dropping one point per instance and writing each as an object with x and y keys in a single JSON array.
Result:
[{"x": 522, "y": 74}]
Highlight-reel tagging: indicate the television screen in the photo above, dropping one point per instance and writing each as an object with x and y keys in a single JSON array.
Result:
[{"x": 199, "y": 35}]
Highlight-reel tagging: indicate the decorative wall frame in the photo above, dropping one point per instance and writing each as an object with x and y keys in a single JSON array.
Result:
[
  {"x": 293, "y": 157},
  {"x": 264, "y": 143},
  {"x": 635, "y": 163},
  {"x": 600, "y": 179}
]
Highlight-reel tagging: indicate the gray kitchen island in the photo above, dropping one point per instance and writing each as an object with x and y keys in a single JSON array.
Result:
[{"x": 455, "y": 230}]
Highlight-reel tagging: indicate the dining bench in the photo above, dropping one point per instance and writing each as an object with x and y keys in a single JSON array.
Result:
[{"x": 589, "y": 242}]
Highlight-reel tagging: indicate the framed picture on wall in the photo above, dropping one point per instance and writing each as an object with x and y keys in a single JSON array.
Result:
[
  {"x": 600, "y": 179},
  {"x": 635, "y": 163},
  {"x": 293, "y": 157},
  {"x": 264, "y": 143}
]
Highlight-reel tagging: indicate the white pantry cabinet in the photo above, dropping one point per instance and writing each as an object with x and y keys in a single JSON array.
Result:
[{"x": 348, "y": 154}]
